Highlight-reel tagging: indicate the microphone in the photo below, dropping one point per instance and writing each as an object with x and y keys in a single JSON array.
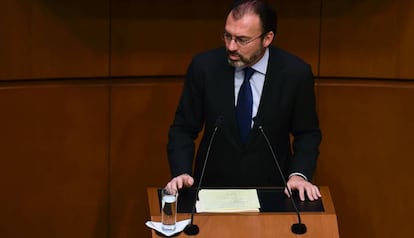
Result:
[
  {"x": 297, "y": 228},
  {"x": 192, "y": 229}
]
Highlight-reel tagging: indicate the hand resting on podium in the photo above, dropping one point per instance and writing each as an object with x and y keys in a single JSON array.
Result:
[{"x": 295, "y": 182}]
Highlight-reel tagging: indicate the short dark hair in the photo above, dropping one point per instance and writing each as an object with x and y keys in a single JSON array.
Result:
[{"x": 267, "y": 15}]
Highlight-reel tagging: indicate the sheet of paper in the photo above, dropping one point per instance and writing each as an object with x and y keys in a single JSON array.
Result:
[{"x": 228, "y": 200}]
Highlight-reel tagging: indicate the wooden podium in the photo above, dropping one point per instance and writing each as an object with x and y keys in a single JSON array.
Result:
[{"x": 261, "y": 224}]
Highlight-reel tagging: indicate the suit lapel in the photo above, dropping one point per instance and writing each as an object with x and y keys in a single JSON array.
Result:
[
  {"x": 270, "y": 99},
  {"x": 230, "y": 107},
  {"x": 223, "y": 90}
]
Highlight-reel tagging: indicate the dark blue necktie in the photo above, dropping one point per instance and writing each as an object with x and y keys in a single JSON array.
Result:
[{"x": 244, "y": 105}]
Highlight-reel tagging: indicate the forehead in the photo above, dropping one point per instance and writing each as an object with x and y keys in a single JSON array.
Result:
[{"x": 247, "y": 25}]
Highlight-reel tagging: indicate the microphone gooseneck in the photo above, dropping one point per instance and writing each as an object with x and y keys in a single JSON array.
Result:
[
  {"x": 297, "y": 228},
  {"x": 192, "y": 229}
]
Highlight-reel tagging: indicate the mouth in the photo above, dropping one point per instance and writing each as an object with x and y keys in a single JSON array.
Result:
[{"x": 234, "y": 56}]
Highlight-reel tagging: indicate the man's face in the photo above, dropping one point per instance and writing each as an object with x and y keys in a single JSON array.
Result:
[{"x": 244, "y": 42}]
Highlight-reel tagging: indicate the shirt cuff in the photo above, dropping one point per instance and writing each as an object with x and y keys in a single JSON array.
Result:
[{"x": 298, "y": 174}]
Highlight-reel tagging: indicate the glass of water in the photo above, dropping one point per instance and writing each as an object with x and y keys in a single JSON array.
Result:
[{"x": 168, "y": 209}]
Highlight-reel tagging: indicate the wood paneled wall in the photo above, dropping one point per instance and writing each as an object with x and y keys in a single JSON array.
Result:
[
  {"x": 141, "y": 114},
  {"x": 367, "y": 38},
  {"x": 54, "y": 160},
  {"x": 366, "y": 154},
  {"x": 49, "y": 39},
  {"x": 159, "y": 38},
  {"x": 89, "y": 88}
]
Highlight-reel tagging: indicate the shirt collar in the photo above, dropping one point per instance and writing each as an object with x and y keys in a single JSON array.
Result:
[{"x": 261, "y": 65}]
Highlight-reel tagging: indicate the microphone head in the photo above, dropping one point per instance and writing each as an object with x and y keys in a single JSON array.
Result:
[
  {"x": 219, "y": 121},
  {"x": 299, "y": 228},
  {"x": 191, "y": 230}
]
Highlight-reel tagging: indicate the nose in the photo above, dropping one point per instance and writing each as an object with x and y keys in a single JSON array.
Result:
[{"x": 232, "y": 45}]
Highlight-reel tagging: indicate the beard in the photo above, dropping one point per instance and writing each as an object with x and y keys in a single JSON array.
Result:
[{"x": 244, "y": 61}]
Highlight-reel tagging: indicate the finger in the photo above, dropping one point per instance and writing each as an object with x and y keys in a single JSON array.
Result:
[
  {"x": 171, "y": 186},
  {"x": 179, "y": 182},
  {"x": 302, "y": 193},
  {"x": 189, "y": 181},
  {"x": 317, "y": 193},
  {"x": 168, "y": 186},
  {"x": 287, "y": 189},
  {"x": 311, "y": 193},
  {"x": 185, "y": 178}
]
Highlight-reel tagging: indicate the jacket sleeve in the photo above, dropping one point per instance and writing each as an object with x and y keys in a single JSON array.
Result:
[
  {"x": 187, "y": 124},
  {"x": 305, "y": 127}
]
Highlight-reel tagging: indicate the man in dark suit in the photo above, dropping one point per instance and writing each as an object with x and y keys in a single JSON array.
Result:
[{"x": 278, "y": 98}]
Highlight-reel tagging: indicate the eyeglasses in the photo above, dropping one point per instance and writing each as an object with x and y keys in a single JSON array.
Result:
[{"x": 241, "y": 41}]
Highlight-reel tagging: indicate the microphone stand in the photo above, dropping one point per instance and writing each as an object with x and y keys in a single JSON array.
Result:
[
  {"x": 297, "y": 228},
  {"x": 192, "y": 229}
]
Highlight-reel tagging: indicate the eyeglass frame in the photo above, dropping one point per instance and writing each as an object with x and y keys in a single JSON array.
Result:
[{"x": 227, "y": 38}]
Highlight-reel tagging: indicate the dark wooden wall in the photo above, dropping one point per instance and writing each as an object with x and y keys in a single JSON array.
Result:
[{"x": 88, "y": 89}]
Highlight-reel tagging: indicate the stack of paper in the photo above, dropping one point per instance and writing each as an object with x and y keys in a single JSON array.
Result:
[{"x": 228, "y": 200}]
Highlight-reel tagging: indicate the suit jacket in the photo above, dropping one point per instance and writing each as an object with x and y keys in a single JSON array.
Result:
[{"x": 287, "y": 107}]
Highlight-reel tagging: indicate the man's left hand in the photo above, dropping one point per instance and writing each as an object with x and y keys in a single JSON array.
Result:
[{"x": 298, "y": 183}]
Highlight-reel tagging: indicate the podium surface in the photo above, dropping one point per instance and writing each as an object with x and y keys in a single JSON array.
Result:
[{"x": 257, "y": 224}]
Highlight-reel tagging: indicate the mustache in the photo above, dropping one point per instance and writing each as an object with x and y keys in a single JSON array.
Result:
[{"x": 233, "y": 53}]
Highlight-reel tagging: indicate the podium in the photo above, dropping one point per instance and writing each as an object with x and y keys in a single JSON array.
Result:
[{"x": 274, "y": 221}]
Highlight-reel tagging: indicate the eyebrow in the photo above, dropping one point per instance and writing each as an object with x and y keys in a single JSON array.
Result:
[{"x": 242, "y": 36}]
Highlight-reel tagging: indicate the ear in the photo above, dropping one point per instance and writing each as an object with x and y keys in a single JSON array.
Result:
[{"x": 268, "y": 38}]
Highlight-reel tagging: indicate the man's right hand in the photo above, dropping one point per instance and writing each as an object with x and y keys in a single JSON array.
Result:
[{"x": 177, "y": 183}]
